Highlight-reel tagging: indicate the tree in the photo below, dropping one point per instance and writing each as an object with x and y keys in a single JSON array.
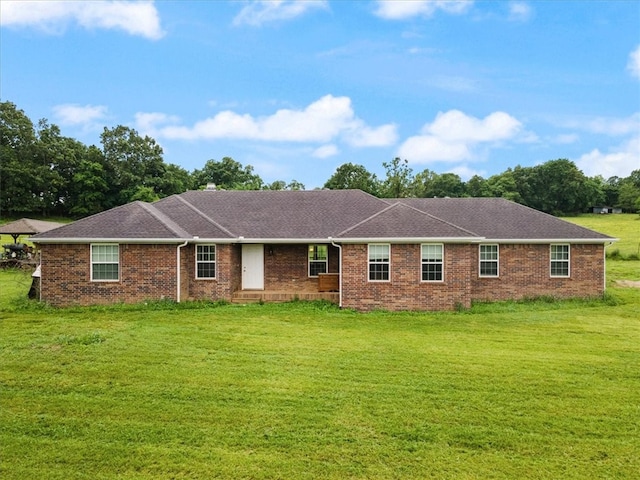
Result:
[
  {"x": 131, "y": 161},
  {"x": 89, "y": 186},
  {"x": 399, "y": 178},
  {"x": 17, "y": 167},
  {"x": 227, "y": 174},
  {"x": 350, "y": 176},
  {"x": 477, "y": 186}
]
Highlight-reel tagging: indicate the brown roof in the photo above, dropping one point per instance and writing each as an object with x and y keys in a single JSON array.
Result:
[
  {"x": 290, "y": 216},
  {"x": 28, "y": 226}
]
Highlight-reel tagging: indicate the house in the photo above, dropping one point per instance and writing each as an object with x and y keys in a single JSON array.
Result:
[{"x": 346, "y": 246}]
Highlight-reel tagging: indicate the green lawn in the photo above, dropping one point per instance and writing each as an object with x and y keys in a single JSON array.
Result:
[
  {"x": 543, "y": 390},
  {"x": 624, "y": 226}
]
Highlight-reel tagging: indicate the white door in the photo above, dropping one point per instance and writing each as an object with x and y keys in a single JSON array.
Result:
[{"x": 253, "y": 267}]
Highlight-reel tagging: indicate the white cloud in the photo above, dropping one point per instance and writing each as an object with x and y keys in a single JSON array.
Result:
[
  {"x": 519, "y": 11},
  {"x": 324, "y": 120},
  {"x": 325, "y": 151},
  {"x": 265, "y": 11},
  {"x": 73, "y": 114},
  {"x": 452, "y": 136},
  {"x": 634, "y": 62},
  {"x": 404, "y": 9},
  {"x": 52, "y": 16},
  {"x": 566, "y": 138},
  {"x": 610, "y": 126},
  {"x": 620, "y": 161}
]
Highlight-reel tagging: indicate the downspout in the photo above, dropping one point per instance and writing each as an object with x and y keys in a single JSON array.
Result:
[
  {"x": 178, "y": 265},
  {"x": 339, "y": 247}
]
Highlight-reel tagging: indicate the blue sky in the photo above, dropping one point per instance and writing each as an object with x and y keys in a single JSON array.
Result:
[{"x": 298, "y": 88}]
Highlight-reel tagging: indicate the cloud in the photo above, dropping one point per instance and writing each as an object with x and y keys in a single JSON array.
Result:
[
  {"x": 634, "y": 62},
  {"x": 324, "y": 120},
  {"x": 404, "y": 9},
  {"x": 74, "y": 115},
  {"x": 136, "y": 18},
  {"x": 325, "y": 151},
  {"x": 264, "y": 11},
  {"x": 619, "y": 161},
  {"x": 610, "y": 126},
  {"x": 452, "y": 136},
  {"x": 519, "y": 11}
]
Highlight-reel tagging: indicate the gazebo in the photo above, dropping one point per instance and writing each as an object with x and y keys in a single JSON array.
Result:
[{"x": 24, "y": 226}]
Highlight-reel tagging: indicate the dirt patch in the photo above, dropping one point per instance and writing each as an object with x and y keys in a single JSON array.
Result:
[{"x": 629, "y": 283}]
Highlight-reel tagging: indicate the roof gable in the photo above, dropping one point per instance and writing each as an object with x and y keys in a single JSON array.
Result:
[{"x": 402, "y": 222}]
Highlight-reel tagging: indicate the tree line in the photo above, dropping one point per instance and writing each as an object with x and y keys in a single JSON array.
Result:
[{"x": 43, "y": 173}]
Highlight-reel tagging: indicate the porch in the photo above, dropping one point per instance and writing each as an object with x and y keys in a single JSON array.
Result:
[{"x": 271, "y": 296}]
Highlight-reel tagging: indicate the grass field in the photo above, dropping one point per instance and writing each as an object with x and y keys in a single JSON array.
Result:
[
  {"x": 625, "y": 227},
  {"x": 542, "y": 390}
]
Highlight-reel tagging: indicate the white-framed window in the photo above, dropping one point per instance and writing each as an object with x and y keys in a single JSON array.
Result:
[
  {"x": 559, "y": 260},
  {"x": 379, "y": 262},
  {"x": 432, "y": 255},
  {"x": 205, "y": 261},
  {"x": 318, "y": 259},
  {"x": 489, "y": 260},
  {"x": 105, "y": 262}
]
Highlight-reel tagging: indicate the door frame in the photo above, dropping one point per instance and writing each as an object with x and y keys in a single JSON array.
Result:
[{"x": 252, "y": 266}]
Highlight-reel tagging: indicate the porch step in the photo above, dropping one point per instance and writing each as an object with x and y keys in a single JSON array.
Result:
[{"x": 254, "y": 296}]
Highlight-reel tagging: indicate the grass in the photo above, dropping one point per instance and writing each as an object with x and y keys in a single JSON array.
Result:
[
  {"x": 624, "y": 226},
  {"x": 539, "y": 389}
]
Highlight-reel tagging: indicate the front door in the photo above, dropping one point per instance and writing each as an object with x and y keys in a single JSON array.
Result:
[{"x": 253, "y": 267}]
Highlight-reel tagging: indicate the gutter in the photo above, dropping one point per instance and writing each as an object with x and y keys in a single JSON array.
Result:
[
  {"x": 178, "y": 265},
  {"x": 339, "y": 247}
]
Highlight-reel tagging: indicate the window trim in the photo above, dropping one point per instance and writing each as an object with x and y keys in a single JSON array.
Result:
[
  {"x": 567, "y": 260},
  {"x": 93, "y": 262},
  {"x": 388, "y": 262},
  {"x": 310, "y": 261},
  {"x": 481, "y": 260},
  {"x": 215, "y": 261},
  {"x": 423, "y": 263}
]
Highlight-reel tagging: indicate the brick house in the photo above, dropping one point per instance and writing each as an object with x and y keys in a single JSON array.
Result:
[{"x": 345, "y": 246}]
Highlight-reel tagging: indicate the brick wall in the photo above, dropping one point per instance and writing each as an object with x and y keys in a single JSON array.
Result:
[
  {"x": 524, "y": 272},
  {"x": 405, "y": 290},
  {"x": 227, "y": 274},
  {"x": 147, "y": 272}
]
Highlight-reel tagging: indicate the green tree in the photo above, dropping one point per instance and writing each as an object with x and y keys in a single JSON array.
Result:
[
  {"x": 350, "y": 176},
  {"x": 131, "y": 162},
  {"x": 399, "y": 179},
  {"x": 227, "y": 174},
  {"x": 477, "y": 186},
  {"x": 18, "y": 180},
  {"x": 89, "y": 185}
]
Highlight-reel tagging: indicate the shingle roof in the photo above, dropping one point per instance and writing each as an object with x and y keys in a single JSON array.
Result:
[
  {"x": 136, "y": 221},
  {"x": 498, "y": 218},
  {"x": 403, "y": 221},
  {"x": 28, "y": 226},
  {"x": 317, "y": 215}
]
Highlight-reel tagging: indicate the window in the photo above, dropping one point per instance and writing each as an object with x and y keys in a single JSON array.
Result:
[
  {"x": 559, "y": 260},
  {"x": 105, "y": 263},
  {"x": 432, "y": 264},
  {"x": 379, "y": 262},
  {"x": 205, "y": 261},
  {"x": 488, "y": 260},
  {"x": 318, "y": 255}
]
